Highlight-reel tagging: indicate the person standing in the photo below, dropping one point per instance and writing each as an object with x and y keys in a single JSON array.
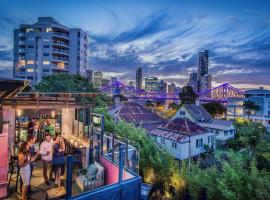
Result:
[
  {"x": 46, "y": 148},
  {"x": 24, "y": 160},
  {"x": 31, "y": 140},
  {"x": 50, "y": 128},
  {"x": 58, "y": 160}
]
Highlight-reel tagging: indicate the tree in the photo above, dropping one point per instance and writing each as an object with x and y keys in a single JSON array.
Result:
[
  {"x": 216, "y": 109},
  {"x": 250, "y": 106},
  {"x": 63, "y": 82},
  {"x": 251, "y": 135},
  {"x": 187, "y": 95}
]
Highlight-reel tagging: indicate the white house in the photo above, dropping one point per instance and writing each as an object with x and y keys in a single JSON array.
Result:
[
  {"x": 183, "y": 138},
  {"x": 223, "y": 129}
]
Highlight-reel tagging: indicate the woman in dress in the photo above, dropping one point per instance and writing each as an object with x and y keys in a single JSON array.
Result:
[
  {"x": 25, "y": 169},
  {"x": 58, "y": 160}
]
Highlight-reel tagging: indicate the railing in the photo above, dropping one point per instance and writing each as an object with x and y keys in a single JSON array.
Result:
[
  {"x": 120, "y": 183},
  {"x": 60, "y": 43},
  {"x": 60, "y": 59},
  {"x": 60, "y": 51},
  {"x": 60, "y": 34}
]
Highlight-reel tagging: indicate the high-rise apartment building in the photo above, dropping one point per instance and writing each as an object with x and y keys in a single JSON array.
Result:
[
  {"x": 139, "y": 78},
  {"x": 48, "y": 47},
  {"x": 203, "y": 63},
  {"x": 201, "y": 80},
  {"x": 98, "y": 77},
  {"x": 151, "y": 84}
]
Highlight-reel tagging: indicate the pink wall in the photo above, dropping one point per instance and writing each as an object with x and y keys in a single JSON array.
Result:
[
  {"x": 112, "y": 171},
  {"x": 4, "y": 161}
]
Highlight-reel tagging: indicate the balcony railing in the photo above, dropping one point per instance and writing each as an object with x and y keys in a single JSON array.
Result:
[
  {"x": 60, "y": 43},
  {"x": 60, "y": 59},
  {"x": 21, "y": 42},
  {"x": 60, "y": 51},
  {"x": 60, "y": 34}
]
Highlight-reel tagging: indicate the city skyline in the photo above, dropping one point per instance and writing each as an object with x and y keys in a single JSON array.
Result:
[{"x": 162, "y": 38}]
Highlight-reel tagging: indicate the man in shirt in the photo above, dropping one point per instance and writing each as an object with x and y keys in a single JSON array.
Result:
[
  {"x": 46, "y": 148},
  {"x": 50, "y": 128}
]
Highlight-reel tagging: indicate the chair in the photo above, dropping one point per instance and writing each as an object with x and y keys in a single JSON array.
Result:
[{"x": 84, "y": 181}]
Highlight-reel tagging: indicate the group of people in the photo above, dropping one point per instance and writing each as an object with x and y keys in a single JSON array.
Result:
[{"x": 52, "y": 155}]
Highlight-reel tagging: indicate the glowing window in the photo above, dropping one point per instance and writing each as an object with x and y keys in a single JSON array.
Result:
[
  {"x": 30, "y": 70},
  {"x": 21, "y": 63},
  {"x": 29, "y": 30},
  {"x": 46, "y": 62},
  {"x": 30, "y": 62},
  {"x": 61, "y": 65},
  {"x": 48, "y": 30}
]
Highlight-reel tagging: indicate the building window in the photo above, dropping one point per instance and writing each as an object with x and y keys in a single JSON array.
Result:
[
  {"x": 46, "y": 54},
  {"x": 30, "y": 77},
  {"x": 231, "y": 132},
  {"x": 199, "y": 143},
  {"x": 30, "y": 70},
  {"x": 29, "y": 30},
  {"x": 46, "y": 70},
  {"x": 46, "y": 62},
  {"x": 217, "y": 132},
  {"x": 21, "y": 63},
  {"x": 30, "y": 46},
  {"x": 61, "y": 65},
  {"x": 30, "y": 62},
  {"x": 46, "y": 46},
  {"x": 225, "y": 133},
  {"x": 48, "y": 30},
  {"x": 162, "y": 140},
  {"x": 174, "y": 145},
  {"x": 182, "y": 112}
]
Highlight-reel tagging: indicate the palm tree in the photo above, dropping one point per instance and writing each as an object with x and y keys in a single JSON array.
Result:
[{"x": 250, "y": 106}]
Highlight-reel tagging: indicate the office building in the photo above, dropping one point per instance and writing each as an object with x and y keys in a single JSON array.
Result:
[
  {"x": 172, "y": 88},
  {"x": 113, "y": 79},
  {"x": 193, "y": 81},
  {"x": 89, "y": 75},
  {"x": 203, "y": 63},
  {"x": 163, "y": 86},
  {"x": 201, "y": 80},
  {"x": 151, "y": 84},
  {"x": 139, "y": 78},
  {"x": 48, "y": 47},
  {"x": 98, "y": 76}
]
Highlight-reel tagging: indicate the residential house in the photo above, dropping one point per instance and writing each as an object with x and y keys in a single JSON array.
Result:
[
  {"x": 223, "y": 129},
  {"x": 183, "y": 138}
]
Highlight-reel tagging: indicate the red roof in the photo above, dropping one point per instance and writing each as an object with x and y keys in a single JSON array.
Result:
[{"x": 178, "y": 129}]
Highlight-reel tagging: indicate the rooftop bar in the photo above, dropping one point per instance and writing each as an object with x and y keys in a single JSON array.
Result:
[{"x": 87, "y": 143}]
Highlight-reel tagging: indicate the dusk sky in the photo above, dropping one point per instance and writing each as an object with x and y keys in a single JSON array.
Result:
[{"x": 162, "y": 37}]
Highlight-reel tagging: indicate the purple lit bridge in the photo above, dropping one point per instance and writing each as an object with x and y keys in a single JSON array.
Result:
[{"x": 220, "y": 93}]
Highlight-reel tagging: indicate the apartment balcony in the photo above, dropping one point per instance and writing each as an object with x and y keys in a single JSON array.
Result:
[
  {"x": 22, "y": 43},
  {"x": 60, "y": 59},
  {"x": 60, "y": 43},
  {"x": 21, "y": 50},
  {"x": 60, "y": 51},
  {"x": 21, "y": 34},
  {"x": 60, "y": 35}
]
